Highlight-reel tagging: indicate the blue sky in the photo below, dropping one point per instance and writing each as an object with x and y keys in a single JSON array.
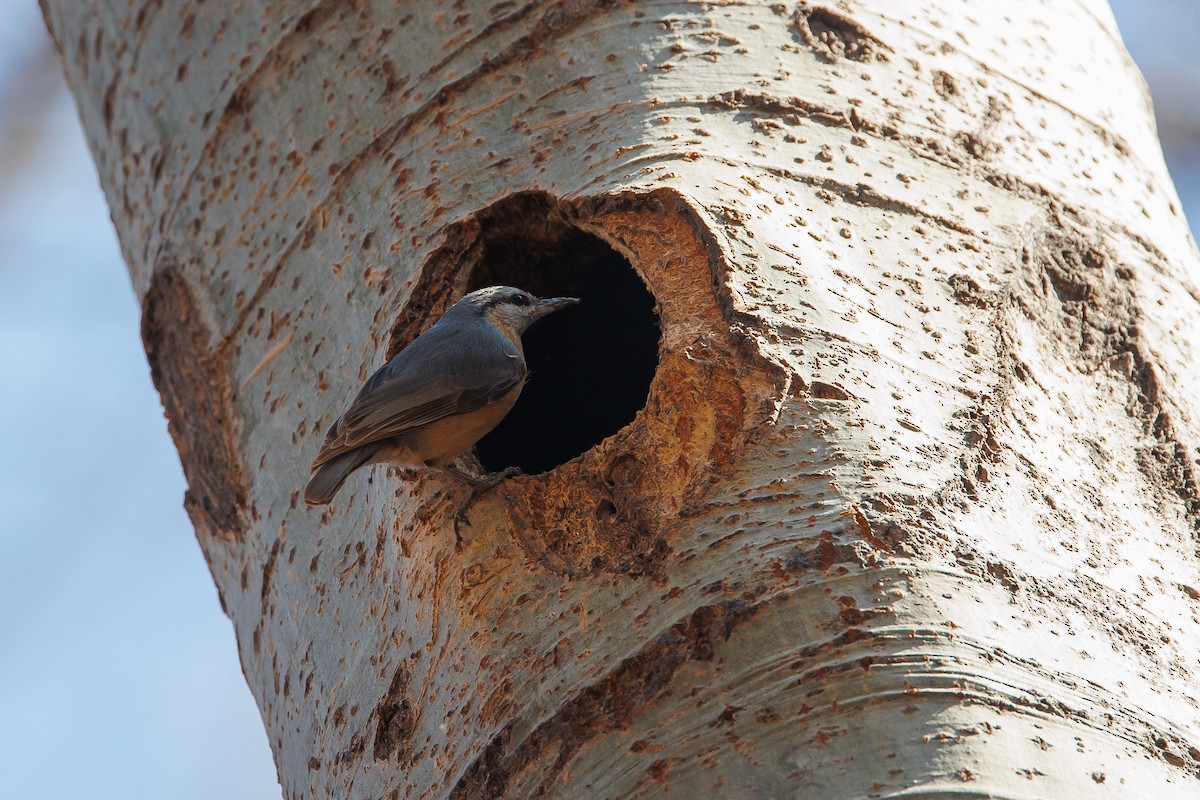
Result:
[{"x": 119, "y": 672}]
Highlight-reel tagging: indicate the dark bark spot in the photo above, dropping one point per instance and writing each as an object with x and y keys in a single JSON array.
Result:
[
  {"x": 156, "y": 165},
  {"x": 944, "y": 84},
  {"x": 834, "y": 37},
  {"x": 110, "y": 95},
  {"x": 353, "y": 752},
  {"x": 142, "y": 18},
  {"x": 968, "y": 292},
  {"x": 727, "y": 717},
  {"x": 659, "y": 769},
  {"x": 792, "y": 110},
  {"x": 307, "y": 21},
  {"x": 828, "y": 391},
  {"x": 976, "y": 144},
  {"x": 1002, "y": 573},
  {"x": 197, "y": 398},
  {"x": 396, "y": 718},
  {"x": 850, "y": 613},
  {"x": 239, "y": 103},
  {"x": 268, "y": 572},
  {"x": 824, "y": 556}
]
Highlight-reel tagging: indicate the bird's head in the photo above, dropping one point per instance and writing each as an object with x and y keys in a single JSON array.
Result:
[{"x": 512, "y": 310}]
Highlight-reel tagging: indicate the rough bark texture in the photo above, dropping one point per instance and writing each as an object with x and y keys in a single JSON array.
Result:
[{"x": 911, "y": 509}]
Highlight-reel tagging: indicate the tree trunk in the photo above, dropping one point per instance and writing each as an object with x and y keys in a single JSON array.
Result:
[{"x": 867, "y": 466}]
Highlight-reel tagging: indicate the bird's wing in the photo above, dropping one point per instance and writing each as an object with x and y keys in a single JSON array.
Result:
[{"x": 441, "y": 374}]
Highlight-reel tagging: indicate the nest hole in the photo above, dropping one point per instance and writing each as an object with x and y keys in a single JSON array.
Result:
[{"x": 590, "y": 365}]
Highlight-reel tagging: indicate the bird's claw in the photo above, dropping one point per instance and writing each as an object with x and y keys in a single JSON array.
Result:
[
  {"x": 505, "y": 474},
  {"x": 480, "y": 485},
  {"x": 460, "y": 517}
]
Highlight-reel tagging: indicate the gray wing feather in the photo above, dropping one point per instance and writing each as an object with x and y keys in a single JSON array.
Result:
[
  {"x": 330, "y": 476},
  {"x": 444, "y": 372}
]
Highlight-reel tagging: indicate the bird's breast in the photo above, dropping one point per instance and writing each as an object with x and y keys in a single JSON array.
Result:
[{"x": 444, "y": 440}]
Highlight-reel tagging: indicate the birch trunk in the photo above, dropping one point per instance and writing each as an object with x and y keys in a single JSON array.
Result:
[{"x": 911, "y": 507}]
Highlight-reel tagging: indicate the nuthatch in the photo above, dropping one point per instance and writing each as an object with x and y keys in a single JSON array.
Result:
[{"x": 439, "y": 396}]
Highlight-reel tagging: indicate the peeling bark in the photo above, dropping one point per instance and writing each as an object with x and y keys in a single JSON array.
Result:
[{"x": 907, "y": 503}]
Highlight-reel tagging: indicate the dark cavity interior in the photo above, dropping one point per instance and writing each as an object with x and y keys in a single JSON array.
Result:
[{"x": 590, "y": 365}]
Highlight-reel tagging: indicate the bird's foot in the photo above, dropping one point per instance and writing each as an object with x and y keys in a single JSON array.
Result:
[{"x": 480, "y": 485}]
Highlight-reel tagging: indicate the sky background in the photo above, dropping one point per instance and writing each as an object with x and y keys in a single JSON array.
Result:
[{"x": 119, "y": 676}]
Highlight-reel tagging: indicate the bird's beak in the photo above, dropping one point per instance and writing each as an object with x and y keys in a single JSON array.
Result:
[{"x": 551, "y": 304}]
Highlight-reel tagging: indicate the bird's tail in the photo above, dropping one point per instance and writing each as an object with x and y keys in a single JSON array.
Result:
[{"x": 330, "y": 476}]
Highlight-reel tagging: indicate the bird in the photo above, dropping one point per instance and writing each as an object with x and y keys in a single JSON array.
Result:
[{"x": 438, "y": 396}]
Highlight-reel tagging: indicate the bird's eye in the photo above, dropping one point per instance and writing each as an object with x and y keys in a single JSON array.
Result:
[{"x": 521, "y": 299}]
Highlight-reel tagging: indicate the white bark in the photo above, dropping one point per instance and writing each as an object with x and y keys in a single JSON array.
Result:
[{"x": 913, "y": 500}]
